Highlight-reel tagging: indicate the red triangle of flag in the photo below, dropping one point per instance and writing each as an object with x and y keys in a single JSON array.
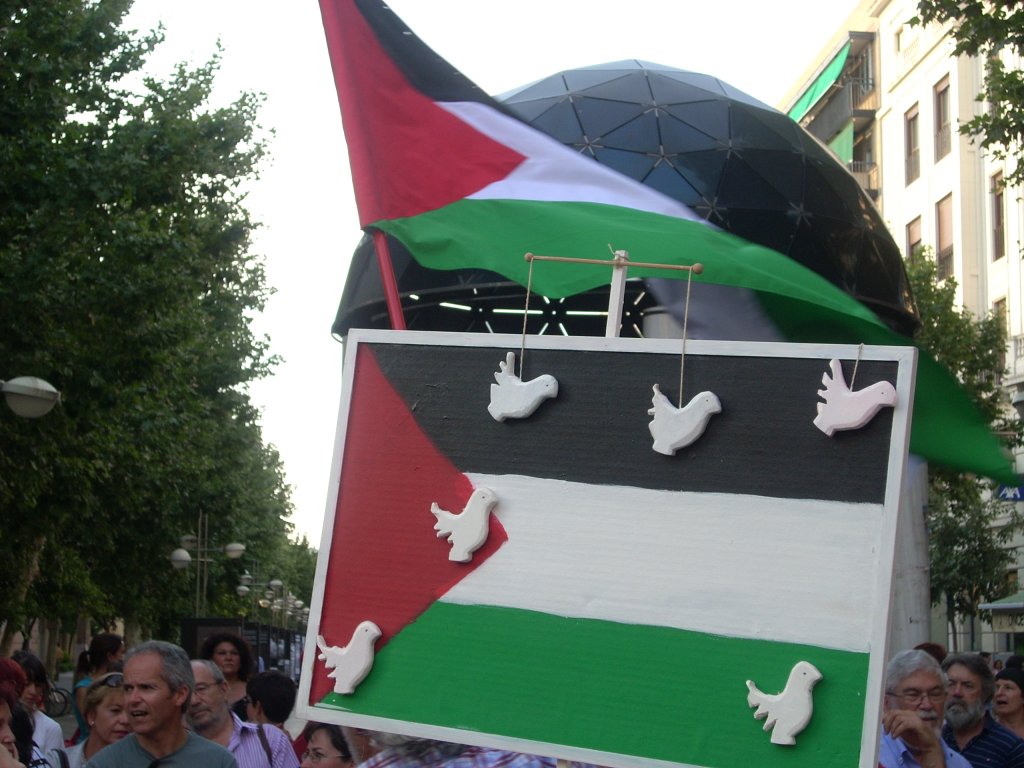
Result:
[{"x": 386, "y": 563}]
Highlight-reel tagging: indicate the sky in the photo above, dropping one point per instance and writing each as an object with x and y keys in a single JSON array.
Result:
[{"x": 303, "y": 197}]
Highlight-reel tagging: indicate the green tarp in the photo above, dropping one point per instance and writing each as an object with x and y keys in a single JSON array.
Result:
[
  {"x": 842, "y": 144},
  {"x": 821, "y": 85}
]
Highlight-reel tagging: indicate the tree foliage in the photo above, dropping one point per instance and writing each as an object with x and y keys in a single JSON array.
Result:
[
  {"x": 126, "y": 280},
  {"x": 968, "y": 530},
  {"x": 986, "y": 29}
]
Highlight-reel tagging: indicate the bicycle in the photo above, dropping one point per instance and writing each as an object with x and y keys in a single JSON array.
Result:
[{"x": 58, "y": 702}]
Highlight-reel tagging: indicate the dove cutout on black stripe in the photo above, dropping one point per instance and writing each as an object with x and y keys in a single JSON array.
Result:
[
  {"x": 513, "y": 398},
  {"x": 674, "y": 428},
  {"x": 845, "y": 409}
]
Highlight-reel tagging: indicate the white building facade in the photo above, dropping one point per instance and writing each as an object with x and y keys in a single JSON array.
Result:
[{"x": 891, "y": 113}]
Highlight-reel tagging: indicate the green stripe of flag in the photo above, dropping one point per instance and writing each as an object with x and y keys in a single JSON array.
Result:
[{"x": 528, "y": 669}]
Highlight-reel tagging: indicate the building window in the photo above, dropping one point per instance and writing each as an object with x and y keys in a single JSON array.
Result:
[
  {"x": 942, "y": 123},
  {"x": 998, "y": 235},
  {"x": 944, "y": 237},
  {"x": 912, "y": 145},
  {"x": 913, "y": 237}
]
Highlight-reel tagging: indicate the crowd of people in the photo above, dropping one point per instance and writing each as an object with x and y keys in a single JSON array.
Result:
[
  {"x": 952, "y": 711},
  {"x": 150, "y": 706}
]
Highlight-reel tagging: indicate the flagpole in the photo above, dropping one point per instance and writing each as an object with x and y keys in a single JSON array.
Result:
[
  {"x": 616, "y": 294},
  {"x": 387, "y": 276}
]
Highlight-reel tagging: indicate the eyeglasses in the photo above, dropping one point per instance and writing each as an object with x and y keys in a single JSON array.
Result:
[
  {"x": 111, "y": 680},
  {"x": 315, "y": 756},
  {"x": 914, "y": 696}
]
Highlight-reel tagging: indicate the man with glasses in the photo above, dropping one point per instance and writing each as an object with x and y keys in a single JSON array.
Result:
[
  {"x": 915, "y": 695},
  {"x": 970, "y": 729},
  {"x": 253, "y": 745},
  {"x": 157, "y": 686}
]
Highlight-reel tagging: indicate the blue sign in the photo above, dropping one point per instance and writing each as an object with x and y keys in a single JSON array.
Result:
[{"x": 1011, "y": 492}]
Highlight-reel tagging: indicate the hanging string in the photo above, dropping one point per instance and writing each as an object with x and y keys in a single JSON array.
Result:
[
  {"x": 853, "y": 378},
  {"x": 686, "y": 317},
  {"x": 526, "y": 316}
]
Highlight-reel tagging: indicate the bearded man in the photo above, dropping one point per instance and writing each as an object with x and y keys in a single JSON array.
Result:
[{"x": 969, "y": 728}]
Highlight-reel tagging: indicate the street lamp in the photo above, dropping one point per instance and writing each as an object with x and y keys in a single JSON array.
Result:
[
  {"x": 29, "y": 397},
  {"x": 181, "y": 558}
]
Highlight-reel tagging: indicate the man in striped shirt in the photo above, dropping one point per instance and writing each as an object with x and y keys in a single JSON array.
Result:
[
  {"x": 209, "y": 714},
  {"x": 970, "y": 729}
]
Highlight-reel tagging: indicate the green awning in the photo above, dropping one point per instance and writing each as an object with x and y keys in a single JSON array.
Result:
[
  {"x": 842, "y": 144},
  {"x": 1011, "y": 604},
  {"x": 821, "y": 85}
]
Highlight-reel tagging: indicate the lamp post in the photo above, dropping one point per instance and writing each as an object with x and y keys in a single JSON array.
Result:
[
  {"x": 29, "y": 397},
  {"x": 180, "y": 558}
]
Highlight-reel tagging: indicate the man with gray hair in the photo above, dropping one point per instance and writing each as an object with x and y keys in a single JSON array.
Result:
[
  {"x": 915, "y": 694},
  {"x": 970, "y": 729},
  {"x": 158, "y": 684},
  {"x": 253, "y": 745}
]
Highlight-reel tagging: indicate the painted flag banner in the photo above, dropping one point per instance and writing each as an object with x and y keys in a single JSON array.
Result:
[
  {"x": 622, "y": 597},
  {"x": 462, "y": 183}
]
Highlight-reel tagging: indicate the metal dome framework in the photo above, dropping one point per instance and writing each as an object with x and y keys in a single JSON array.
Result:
[{"x": 735, "y": 161}]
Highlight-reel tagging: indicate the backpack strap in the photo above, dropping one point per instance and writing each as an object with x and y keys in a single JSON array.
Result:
[{"x": 266, "y": 745}]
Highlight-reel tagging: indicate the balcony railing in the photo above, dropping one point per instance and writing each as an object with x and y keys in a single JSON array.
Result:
[
  {"x": 866, "y": 174},
  {"x": 913, "y": 168},
  {"x": 944, "y": 263},
  {"x": 942, "y": 141}
]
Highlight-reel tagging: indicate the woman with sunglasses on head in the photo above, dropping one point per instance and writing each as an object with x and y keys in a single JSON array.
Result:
[{"x": 106, "y": 717}]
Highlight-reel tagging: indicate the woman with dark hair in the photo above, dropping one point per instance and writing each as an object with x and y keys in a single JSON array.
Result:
[
  {"x": 19, "y": 721},
  {"x": 1008, "y": 702},
  {"x": 46, "y": 732},
  {"x": 8, "y": 744},
  {"x": 104, "y": 654},
  {"x": 326, "y": 747},
  {"x": 234, "y": 657}
]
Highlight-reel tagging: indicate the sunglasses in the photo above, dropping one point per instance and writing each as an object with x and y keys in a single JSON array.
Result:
[{"x": 110, "y": 680}]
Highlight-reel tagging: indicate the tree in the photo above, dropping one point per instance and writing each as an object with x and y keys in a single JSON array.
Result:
[
  {"x": 968, "y": 528},
  {"x": 128, "y": 283},
  {"x": 985, "y": 29}
]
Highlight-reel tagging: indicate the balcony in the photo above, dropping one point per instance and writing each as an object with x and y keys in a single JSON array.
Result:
[
  {"x": 856, "y": 99},
  {"x": 866, "y": 174}
]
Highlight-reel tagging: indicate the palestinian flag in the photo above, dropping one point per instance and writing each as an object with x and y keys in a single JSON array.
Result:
[
  {"x": 622, "y": 597},
  {"x": 461, "y": 183}
]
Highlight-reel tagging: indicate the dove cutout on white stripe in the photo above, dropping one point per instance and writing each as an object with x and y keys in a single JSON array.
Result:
[
  {"x": 786, "y": 714},
  {"x": 466, "y": 531},
  {"x": 513, "y": 398},
  {"x": 674, "y": 428},
  {"x": 353, "y": 662},
  {"x": 845, "y": 409}
]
